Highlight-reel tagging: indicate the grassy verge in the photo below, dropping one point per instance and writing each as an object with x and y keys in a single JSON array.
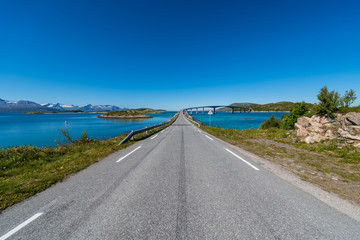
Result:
[
  {"x": 27, "y": 170},
  {"x": 332, "y": 165}
]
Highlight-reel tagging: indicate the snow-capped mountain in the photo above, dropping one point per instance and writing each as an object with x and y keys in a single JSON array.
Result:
[
  {"x": 20, "y": 106},
  {"x": 59, "y": 106},
  {"x": 28, "y": 106},
  {"x": 85, "y": 108}
]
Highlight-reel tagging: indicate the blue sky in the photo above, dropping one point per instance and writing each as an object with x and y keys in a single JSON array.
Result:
[{"x": 177, "y": 53}]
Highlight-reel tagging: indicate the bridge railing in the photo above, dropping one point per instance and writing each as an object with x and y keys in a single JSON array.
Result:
[
  {"x": 135, "y": 132},
  {"x": 188, "y": 117}
]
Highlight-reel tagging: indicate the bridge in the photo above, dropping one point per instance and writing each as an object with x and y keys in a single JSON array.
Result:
[
  {"x": 214, "y": 107},
  {"x": 180, "y": 183}
]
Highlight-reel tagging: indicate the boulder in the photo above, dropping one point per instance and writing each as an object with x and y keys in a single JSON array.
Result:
[
  {"x": 346, "y": 134},
  {"x": 315, "y": 121},
  {"x": 343, "y": 127},
  {"x": 329, "y": 134},
  {"x": 353, "y": 118},
  {"x": 357, "y": 145},
  {"x": 354, "y": 130},
  {"x": 300, "y": 130},
  {"x": 315, "y": 138},
  {"x": 304, "y": 121}
]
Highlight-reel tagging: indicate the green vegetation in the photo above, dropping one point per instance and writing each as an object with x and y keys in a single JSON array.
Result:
[
  {"x": 130, "y": 113},
  {"x": 297, "y": 110},
  {"x": 348, "y": 98},
  {"x": 34, "y": 113},
  {"x": 333, "y": 165},
  {"x": 272, "y": 122},
  {"x": 27, "y": 170},
  {"x": 269, "y": 107},
  {"x": 349, "y": 109},
  {"x": 328, "y": 102},
  {"x": 332, "y": 102}
]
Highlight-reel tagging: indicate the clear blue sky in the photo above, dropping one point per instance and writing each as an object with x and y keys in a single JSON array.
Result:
[{"x": 177, "y": 53}]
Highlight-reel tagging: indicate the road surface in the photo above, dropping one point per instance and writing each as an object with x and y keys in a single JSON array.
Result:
[{"x": 181, "y": 183}]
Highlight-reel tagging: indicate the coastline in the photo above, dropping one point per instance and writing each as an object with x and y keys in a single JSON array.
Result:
[{"x": 140, "y": 116}]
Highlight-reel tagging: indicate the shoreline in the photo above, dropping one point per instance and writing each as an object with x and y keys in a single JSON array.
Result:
[{"x": 141, "y": 116}]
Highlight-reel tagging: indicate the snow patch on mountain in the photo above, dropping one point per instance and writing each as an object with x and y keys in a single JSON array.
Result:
[{"x": 27, "y": 106}]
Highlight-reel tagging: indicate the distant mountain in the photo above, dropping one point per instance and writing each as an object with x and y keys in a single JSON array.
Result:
[
  {"x": 28, "y": 106},
  {"x": 21, "y": 106}
]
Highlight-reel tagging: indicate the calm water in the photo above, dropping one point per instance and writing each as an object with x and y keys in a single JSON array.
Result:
[
  {"x": 42, "y": 129},
  {"x": 237, "y": 120}
]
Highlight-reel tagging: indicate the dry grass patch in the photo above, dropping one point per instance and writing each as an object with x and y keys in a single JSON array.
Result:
[{"x": 332, "y": 165}]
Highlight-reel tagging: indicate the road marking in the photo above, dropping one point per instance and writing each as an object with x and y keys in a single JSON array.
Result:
[
  {"x": 209, "y": 137},
  {"x": 128, "y": 154},
  {"x": 163, "y": 130},
  {"x": 242, "y": 159},
  {"x": 199, "y": 131},
  {"x": 154, "y": 137},
  {"x": 20, "y": 226}
]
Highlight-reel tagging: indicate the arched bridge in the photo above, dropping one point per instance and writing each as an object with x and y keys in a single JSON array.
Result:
[{"x": 214, "y": 107}]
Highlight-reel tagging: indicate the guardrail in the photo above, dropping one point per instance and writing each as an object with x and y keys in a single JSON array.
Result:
[
  {"x": 134, "y": 132},
  {"x": 188, "y": 118}
]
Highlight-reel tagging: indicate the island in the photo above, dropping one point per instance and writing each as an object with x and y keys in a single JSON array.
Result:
[{"x": 139, "y": 113}]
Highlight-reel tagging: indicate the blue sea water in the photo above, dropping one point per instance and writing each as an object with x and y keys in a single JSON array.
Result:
[
  {"x": 18, "y": 129},
  {"x": 236, "y": 120}
]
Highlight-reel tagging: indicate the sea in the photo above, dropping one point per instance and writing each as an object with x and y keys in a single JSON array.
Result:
[
  {"x": 228, "y": 120},
  {"x": 17, "y": 129}
]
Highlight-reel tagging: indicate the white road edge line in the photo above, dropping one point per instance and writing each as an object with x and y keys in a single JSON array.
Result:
[
  {"x": 20, "y": 226},
  {"x": 209, "y": 137},
  {"x": 199, "y": 131},
  {"x": 163, "y": 130},
  {"x": 154, "y": 137},
  {"x": 126, "y": 155},
  {"x": 242, "y": 159}
]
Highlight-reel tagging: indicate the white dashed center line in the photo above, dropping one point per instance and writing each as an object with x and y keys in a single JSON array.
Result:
[
  {"x": 242, "y": 159},
  {"x": 209, "y": 137},
  {"x": 20, "y": 226},
  {"x": 128, "y": 154}
]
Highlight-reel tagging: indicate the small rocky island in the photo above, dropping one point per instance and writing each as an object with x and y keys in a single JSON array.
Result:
[{"x": 140, "y": 113}]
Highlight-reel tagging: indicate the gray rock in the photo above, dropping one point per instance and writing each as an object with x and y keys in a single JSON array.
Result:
[{"x": 353, "y": 118}]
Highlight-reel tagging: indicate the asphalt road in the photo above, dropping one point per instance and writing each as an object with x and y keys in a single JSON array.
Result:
[{"x": 178, "y": 184}]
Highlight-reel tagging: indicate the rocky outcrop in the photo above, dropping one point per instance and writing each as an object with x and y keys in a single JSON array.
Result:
[{"x": 343, "y": 126}]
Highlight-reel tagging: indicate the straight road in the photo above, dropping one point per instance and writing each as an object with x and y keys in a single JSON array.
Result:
[{"x": 179, "y": 184}]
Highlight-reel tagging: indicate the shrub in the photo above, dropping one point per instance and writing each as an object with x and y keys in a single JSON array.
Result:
[
  {"x": 66, "y": 136},
  {"x": 272, "y": 122},
  {"x": 328, "y": 102},
  {"x": 297, "y": 110},
  {"x": 348, "y": 98},
  {"x": 84, "y": 138}
]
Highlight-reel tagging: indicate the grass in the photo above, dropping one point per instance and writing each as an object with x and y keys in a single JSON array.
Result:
[
  {"x": 333, "y": 165},
  {"x": 27, "y": 170},
  {"x": 131, "y": 112}
]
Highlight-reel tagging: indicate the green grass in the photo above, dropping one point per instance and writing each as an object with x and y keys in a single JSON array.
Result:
[
  {"x": 269, "y": 107},
  {"x": 34, "y": 113},
  {"x": 131, "y": 112},
  {"x": 319, "y": 163},
  {"x": 27, "y": 170}
]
